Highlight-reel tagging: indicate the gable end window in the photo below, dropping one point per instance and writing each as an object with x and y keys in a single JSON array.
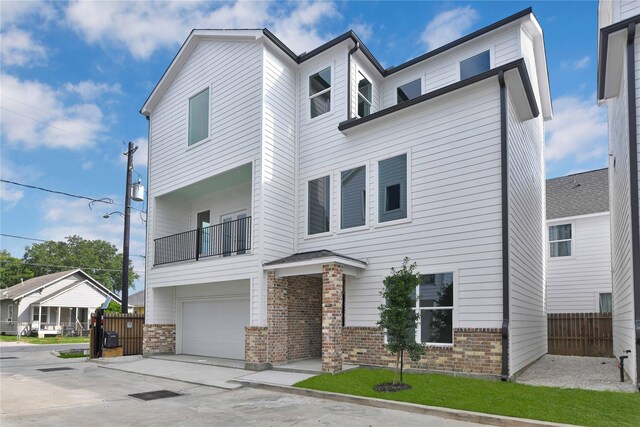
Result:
[
  {"x": 353, "y": 197},
  {"x": 318, "y": 205},
  {"x": 434, "y": 303},
  {"x": 560, "y": 241},
  {"x": 199, "y": 117},
  {"x": 392, "y": 188},
  {"x": 475, "y": 65},
  {"x": 409, "y": 91},
  {"x": 365, "y": 93},
  {"x": 320, "y": 92}
]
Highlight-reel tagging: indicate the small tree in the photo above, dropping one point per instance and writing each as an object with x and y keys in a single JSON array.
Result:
[{"x": 398, "y": 315}]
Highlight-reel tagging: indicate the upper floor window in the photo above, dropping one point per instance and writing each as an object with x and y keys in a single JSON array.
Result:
[
  {"x": 320, "y": 92},
  {"x": 365, "y": 93},
  {"x": 475, "y": 65},
  {"x": 318, "y": 205},
  {"x": 560, "y": 240},
  {"x": 434, "y": 302},
  {"x": 409, "y": 90},
  {"x": 604, "y": 302},
  {"x": 353, "y": 197},
  {"x": 392, "y": 188},
  {"x": 199, "y": 117}
]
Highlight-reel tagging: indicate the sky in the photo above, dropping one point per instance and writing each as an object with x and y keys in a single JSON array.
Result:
[{"x": 74, "y": 75}]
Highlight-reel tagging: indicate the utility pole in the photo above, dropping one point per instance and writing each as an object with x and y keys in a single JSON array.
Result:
[{"x": 127, "y": 226}]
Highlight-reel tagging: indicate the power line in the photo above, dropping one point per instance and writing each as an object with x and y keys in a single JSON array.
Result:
[
  {"x": 32, "y": 106},
  {"x": 22, "y": 237},
  {"x": 103, "y": 200},
  {"x": 47, "y": 124},
  {"x": 71, "y": 266}
]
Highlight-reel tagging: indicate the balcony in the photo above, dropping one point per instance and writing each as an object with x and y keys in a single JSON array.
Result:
[{"x": 225, "y": 239}]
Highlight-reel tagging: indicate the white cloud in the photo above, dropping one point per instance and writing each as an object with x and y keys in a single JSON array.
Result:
[
  {"x": 577, "y": 64},
  {"x": 140, "y": 157},
  {"x": 10, "y": 195},
  {"x": 448, "y": 26},
  {"x": 145, "y": 27},
  {"x": 35, "y": 115},
  {"x": 362, "y": 29},
  {"x": 14, "y": 12},
  {"x": 578, "y": 130},
  {"x": 19, "y": 48},
  {"x": 90, "y": 90}
]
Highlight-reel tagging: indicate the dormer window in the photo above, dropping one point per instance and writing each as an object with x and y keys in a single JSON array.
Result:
[
  {"x": 365, "y": 91},
  {"x": 409, "y": 91},
  {"x": 199, "y": 117},
  {"x": 320, "y": 92},
  {"x": 475, "y": 65}
]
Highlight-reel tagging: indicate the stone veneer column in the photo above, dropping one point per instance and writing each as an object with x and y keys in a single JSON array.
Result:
[
  {"x": 332, "y": 291},
  {"x": 277, "y": 318},
  {"x": 159, "y": 338},
  {"x": 255, "y": 348}
]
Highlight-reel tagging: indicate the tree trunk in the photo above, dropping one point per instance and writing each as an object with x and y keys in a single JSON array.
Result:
[
  {"x": 395, "y": 373},
  {"x": 401, "y": 364}
]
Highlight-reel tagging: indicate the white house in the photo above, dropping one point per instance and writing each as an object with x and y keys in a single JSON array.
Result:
[
  {"x": 579, "y": 247},
  {"x": 618, "y": 88},
  {"x": 53, "y": 304},
  {"x": 284, "y": 187}
]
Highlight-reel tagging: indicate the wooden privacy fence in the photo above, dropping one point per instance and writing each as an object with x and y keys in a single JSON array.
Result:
[
  {"x": 580, "y": 334},
  {"x": 127, "y": 326}
]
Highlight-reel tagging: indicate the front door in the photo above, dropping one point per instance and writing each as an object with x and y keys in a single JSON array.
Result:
[
  {"x": 204, "y": 222},
  {"x": 234, "y": 233}
]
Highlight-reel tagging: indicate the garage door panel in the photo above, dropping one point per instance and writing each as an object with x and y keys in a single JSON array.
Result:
[{"x": 215, "y": 327}]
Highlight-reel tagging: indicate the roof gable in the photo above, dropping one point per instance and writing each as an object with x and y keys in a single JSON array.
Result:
[{"x": 578, "y": 194}]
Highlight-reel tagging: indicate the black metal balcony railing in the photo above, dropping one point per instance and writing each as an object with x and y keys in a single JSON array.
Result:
[{"x": 225, "y": 239}]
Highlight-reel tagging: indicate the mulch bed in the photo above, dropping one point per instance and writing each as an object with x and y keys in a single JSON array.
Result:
[{"x": 391, "y": 387}]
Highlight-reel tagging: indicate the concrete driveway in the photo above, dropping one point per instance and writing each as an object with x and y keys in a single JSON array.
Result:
[{"x": 88, "y": 394}]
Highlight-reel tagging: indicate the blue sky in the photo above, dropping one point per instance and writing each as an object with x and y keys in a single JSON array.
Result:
[{"x": 75, "y": 74}]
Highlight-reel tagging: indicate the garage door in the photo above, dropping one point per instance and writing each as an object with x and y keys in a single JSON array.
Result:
[{"x": 215, "y": 327}]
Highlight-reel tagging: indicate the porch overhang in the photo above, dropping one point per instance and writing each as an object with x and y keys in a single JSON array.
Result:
[{"x": 307, "y": 263}]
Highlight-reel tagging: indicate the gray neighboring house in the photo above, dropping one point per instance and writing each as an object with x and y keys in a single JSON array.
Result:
[
  {"x": 578, "y": 243},
  {"x": 52, "y": 304},
  {"x": 136, "y": 302}
]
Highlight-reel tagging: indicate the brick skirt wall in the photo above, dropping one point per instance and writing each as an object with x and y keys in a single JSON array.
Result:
[
  {"x": 304, "y": 315},
  {"x": 476, "y": 351},
  {"x": 255, "y": 344},
  {"x": 159, "y": 339}
]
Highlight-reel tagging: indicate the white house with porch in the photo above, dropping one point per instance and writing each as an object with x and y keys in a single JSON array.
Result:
[
  {"x": 283, "y": 188},
  {"x": 53, "y": 304}
]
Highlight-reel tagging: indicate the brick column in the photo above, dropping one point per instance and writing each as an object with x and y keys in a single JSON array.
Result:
[
  {"x": 277, "y": 318},
  {"x": 255, "y": 348},
  {"x": 332, "y": 291},
  {"x": 158, "y": 338}
]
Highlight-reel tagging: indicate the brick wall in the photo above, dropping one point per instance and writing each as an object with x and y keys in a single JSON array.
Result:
[
  {"x": 255, "y": 344},
  {"x": 304, "y": 299},
  {"x": 277, "y": 318},
  {"x": 477, "y": 351},
  {"x": 332, "y": 295},
  {"x": 158, "y": 339}
]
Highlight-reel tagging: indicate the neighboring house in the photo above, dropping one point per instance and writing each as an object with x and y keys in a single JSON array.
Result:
[
  {"x": 618, "y": 88},
  {"x": 52, "y": 304},
  {"x": 136, "y": 302},
  {"x": 283, "y": 188},
  {"x": 579, "y": 248}
]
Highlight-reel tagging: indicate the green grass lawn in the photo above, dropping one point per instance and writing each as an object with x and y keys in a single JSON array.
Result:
[
  {"x": 570, "y": 406},
  {"x": 47, "y": 340},
  {"x": 71, "y": 355}
]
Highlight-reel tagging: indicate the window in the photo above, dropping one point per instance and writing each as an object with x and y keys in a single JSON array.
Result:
[
  {"x": 365, "y": 91},
  {"x": 434, "y": 302},
  {"x": 318, "y": 205},
  {"x": 392, "y": 188},
  {"x": 320, "y": 92},
  {"x": 560, "y": 240},
  {"x": 409, "y": 91},
  {"x": 36, "y": 310},
  {"x": 10, "y": 312},
  {"x": 199, "y": 117},
  {"x": 605, "y": 303},
  {"x": 353, "y": 196},
  {"x": 475, "y": 65}
]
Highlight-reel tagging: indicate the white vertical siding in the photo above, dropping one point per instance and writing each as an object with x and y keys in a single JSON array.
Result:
[
  {"x": 625, "y": 9},
  {"x": 160, "y": 306},
  {"x": 573, "y": 283},
  {"x": 528, "y": 323},
  {"x": 443, "y": 70}
]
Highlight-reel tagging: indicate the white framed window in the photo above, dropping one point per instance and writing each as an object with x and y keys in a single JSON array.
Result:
[
  {"x": 365, "y": 95},
  {"x": 353, "y": 198},
  {"x": 199, "y": 117},
  {"x": 474, "y": 65},
  {"x": 320, "y": 92},
  {"x": 393, "y": 188},
  {"x": 319, "y": 206},
  {"x": 410, "y": 90},
  {"x": 10, "y": 312},
  {"x": 35, "y": 314},
  {"x": 605, "y": 305},
  {"x": 560, "y": 241},
  {"x": 435, "y": 302},
  {"x": 234, "y": 233}
]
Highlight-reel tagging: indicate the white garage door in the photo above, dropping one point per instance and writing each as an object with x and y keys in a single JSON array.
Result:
[{"x": 215, "y": 327}]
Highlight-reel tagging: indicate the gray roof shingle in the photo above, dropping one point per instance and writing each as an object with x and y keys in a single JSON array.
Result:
[
  {"x": 137, "y": 299},
  {"x": 32, "y": 284},
  {"x": 578, "y": 194}
]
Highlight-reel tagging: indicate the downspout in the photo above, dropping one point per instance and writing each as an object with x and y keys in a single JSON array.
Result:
[
  {"x": 633, "y": 186},
  {"x": 504, "y": 164},
  {"x": 351, "y": 52},
  {"x": 146, "y": 229}
]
